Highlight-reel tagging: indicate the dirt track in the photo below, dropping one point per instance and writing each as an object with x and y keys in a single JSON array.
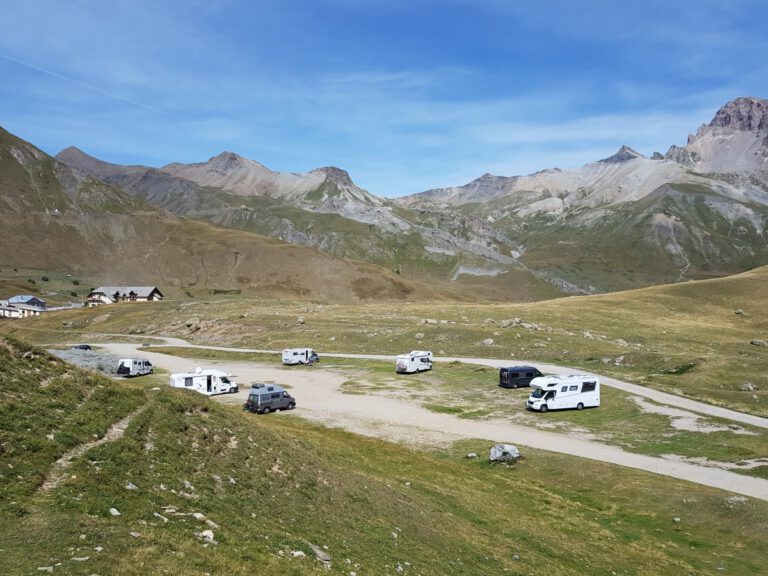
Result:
[{"x": 320, "y": 399}]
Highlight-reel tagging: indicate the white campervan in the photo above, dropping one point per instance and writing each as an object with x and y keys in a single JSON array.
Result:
[
  {"x": 129, "y": 367},
  {"x": 293, "y": 356},
  {"x": 560, "y": 392},
  {"x": 416, "y": 361},
  {"x": 208, "y": 382}
]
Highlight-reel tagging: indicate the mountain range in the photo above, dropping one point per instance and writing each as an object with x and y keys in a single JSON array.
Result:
[{"x": 625, "y": 221}]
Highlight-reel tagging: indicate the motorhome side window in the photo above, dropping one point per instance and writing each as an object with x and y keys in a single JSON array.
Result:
[
  {"x": 564, "y": 389},
  {"x": 276, "y": 396},
  {"x": 188, "y": 381},
  {"x": 588, "y": 386},
  {"x": 573, "y": 388}
]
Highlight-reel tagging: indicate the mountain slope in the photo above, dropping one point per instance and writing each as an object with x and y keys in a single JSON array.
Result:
[
  {"x": 336, "y": 217},
  {"x": 58, "y": 218},
  {"x": 630, "y": 221},
  {"x": 620, "y": 222}
]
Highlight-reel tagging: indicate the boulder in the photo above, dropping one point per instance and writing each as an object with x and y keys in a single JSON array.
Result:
[
  {"x": 488, "y": 342},
  {"x": 504, "y": 453},
  {"x": 757, "y": 342}
]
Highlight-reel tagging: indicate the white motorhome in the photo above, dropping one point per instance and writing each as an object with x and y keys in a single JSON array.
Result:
[
  {"x": 415, "y": 361},
  {"x": 293, "y": 356},
  {"x": 129, "y": 367},
  {"x": 208, "y": 382},
  {"x": 561, "y": 392}
]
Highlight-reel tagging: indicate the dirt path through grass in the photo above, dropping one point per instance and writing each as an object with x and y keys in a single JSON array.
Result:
[
  {"x": 320, "y": 399},
  {"x": 58, "y": 469}
]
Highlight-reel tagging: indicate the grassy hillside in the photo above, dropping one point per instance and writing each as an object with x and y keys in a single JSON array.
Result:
[{"x": 271, "y": 487}]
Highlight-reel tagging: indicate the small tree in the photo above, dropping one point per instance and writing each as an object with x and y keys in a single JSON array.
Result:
[
  {"x": 31, "y": 281},
  {"x": 76, "y": 282},
  {"x": 45, "y": 278}
]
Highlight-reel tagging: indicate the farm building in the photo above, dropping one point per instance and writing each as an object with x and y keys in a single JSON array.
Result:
[{"x": 114, "y": 294}]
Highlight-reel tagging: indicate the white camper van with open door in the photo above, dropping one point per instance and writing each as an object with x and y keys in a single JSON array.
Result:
[
  {"x": 561, "y": 392},
  {"x": 416, "y": 361},
  {"x": 208, "y": 382}
]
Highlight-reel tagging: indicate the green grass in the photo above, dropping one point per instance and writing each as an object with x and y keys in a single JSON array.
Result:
[{"x": 274, "y": 485}]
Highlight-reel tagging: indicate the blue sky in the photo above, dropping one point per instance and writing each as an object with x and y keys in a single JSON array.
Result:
[{"x": 404, "y": 95}]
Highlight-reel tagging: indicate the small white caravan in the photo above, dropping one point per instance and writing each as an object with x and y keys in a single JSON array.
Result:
[
  {"x": 208, "y": 382},
  {"x": 415, "y": 361},
  {"x": 561, "y": 392},
  {"x": 293, "y": 356},
  {"x": 129, "y": 367}
]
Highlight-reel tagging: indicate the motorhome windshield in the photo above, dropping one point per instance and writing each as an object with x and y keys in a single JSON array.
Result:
[
  {"x": 224, "y": 380},
  {"x": 538, "y": 393}
]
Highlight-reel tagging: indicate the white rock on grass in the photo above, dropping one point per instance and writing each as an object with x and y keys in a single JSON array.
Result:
[{"x": 114, "y": 512}]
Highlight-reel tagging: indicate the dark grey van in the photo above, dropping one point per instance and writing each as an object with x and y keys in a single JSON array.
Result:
[
  {"x": 517, "y": 376},
  {"x": 266, "y": 398}
]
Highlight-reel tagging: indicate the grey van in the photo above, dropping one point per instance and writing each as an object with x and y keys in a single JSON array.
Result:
[
  {"x": 517, "y": 376},
  {"x": 266, "y": 398}
]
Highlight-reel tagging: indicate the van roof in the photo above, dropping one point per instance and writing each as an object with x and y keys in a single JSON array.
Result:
[
  {"x": 521, "y": 367},
  {"x": 259, "y": 387}
]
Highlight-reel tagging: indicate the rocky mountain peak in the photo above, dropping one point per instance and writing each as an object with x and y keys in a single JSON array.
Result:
[
  {"x": 335, "y": 175},
  {"x": 743, "y": 114},
  {"x": 226, "y": 162},
  {"x": 624, "y": 154}
]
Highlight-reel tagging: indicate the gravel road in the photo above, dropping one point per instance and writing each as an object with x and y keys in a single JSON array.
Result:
[{"x": 318, "y": 390}]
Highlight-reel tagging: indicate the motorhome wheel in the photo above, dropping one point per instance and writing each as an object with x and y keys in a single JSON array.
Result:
[
  {"x": 579, "y": 406},
  {"x": 543, "y": 408},
  {"x": 265, "y": 411}
]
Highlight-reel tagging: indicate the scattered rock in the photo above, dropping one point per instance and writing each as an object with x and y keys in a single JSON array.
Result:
[
  {"x": 488, "y": 342},
  {"x": 419, "y": 336},
  {"x": 131, "y": 486},
  {"x": 136, "y": 534},
  {"x": 297, "y": 554},
  {"x": 163, "y": 518},
  {"x": 621, "y": 342},
  {"x": 321, "y": 555},
  {"x": 472, "y": 455},
  {"x": 676, "y": 520},
  {"x": 747, "y": 387},
  {"x": 300, "y": 320},
  {"x": 740, "y": 312},
  {"x": 45, "y": 568},
  {"x": 114, "y": 512},
  {"x": 504, "y": 453},
  {"x": 489, "y": 321},
  {"x": 192, "y": 322},
  {"x": 587, "y": 334},
  {"x": 757, "y": 342},
  {"x": 207, "y": 536},
  {"x": 332, "y": 339}
]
